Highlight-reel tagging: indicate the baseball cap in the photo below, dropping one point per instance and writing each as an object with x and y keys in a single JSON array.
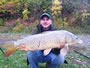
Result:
[{"x": 45, "y": 14}]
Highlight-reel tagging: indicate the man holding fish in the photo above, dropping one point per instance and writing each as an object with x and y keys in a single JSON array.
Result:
[
  {"x": 45, "y": 45},
  {"x": 54, "y": 58}
]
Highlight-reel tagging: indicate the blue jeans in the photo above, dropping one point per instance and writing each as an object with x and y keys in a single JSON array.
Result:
[{"x": 34, "y": 57}]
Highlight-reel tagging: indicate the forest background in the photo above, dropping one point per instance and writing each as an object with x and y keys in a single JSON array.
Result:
[{"x": 21, "y": 16}]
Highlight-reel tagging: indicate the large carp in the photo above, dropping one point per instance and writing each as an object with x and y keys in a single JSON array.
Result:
[{"x": 42, "y": 41}]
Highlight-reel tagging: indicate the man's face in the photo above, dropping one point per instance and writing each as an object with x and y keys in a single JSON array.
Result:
[{"x": 45, "y": 22}]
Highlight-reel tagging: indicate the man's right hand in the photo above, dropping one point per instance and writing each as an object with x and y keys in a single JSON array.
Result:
[{"x": 24, "y": 48}]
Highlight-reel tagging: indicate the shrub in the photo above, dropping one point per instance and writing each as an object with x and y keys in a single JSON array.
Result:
[
  {"x": 1, "y": 22},
  {"x": 19, "y": 27},
  {"x": 56, "y": 8},
  {"x": 61, "y": 22},
  {"x": 25, "y": 14}
]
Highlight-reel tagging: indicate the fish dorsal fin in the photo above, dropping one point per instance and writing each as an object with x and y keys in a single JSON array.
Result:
[{"x": 47, "y": 51}]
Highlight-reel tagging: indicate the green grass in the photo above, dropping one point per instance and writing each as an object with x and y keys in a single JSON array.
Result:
[{"x": 18, "y": 60}]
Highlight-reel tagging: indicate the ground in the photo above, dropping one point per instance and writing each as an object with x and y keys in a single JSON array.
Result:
[
  {"x": 75, "y": 60},
  {"x": 80, "y": 54}
]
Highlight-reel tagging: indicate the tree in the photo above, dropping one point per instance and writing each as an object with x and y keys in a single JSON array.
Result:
[
  {"x": 37, "y": 7},
  {"x": 56, "y": 8}
]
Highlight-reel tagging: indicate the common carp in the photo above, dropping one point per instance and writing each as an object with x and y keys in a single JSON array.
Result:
[{"x": 42, "y": 41}]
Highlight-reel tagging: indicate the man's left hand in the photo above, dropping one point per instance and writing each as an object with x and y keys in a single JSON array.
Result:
[{"x": 61, "y": 46}]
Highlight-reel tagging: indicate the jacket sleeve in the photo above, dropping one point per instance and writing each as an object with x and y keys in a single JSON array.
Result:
[{"x": 35, "y": 31}]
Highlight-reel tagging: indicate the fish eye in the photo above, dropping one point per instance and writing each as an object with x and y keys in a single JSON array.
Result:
[{"x": 76, "y": 37}]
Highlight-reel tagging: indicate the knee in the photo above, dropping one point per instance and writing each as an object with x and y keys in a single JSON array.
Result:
[
  {"x": 58, "y": 60},
  {"x": 30, "y": 55}
]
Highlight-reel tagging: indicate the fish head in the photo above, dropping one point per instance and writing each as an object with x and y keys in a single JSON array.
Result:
[{"x": 72, "y": 39}]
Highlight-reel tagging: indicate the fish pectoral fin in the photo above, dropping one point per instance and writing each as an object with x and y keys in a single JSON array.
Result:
[
  {"x": 64, "y": 50},
  {"x": 47, "y": 51},
  {"x": 9, "y": 52}
]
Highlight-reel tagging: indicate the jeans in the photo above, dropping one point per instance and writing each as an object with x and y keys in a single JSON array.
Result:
[{"x": 34, "y": 57}]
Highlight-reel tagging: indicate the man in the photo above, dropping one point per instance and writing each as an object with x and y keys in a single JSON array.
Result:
[{"x": 53, "y": 59}]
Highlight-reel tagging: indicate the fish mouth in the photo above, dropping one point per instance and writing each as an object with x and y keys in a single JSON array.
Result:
[
  {"x": 77, "y": 42},
  {"x": 80, "y": 42}
]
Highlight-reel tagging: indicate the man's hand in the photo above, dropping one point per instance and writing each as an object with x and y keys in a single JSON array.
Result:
[
  {"x": 61, "y": 46},
  {"x": 64, "y": 50},
  {"x": 23, "y": 48}
]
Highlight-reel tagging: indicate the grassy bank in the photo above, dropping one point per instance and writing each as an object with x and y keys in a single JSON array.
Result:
[
  {"x": 18, "y": 60},
  {"x": 27, "y": 31}
]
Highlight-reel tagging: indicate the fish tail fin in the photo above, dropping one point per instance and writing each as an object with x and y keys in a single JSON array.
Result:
[{"x": 9, "y": 52}]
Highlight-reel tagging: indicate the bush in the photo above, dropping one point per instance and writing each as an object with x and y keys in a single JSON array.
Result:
[
  {"x": 25, "y": 14},
  {"x": 37, "y": 7},
  {"x": 1, "y": 22},
  {"x": 61, "y": 22},
  {"x": 19, "y": 27}
]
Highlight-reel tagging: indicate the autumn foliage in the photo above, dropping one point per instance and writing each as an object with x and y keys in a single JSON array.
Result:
[{"x": 24, "y": 14}]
